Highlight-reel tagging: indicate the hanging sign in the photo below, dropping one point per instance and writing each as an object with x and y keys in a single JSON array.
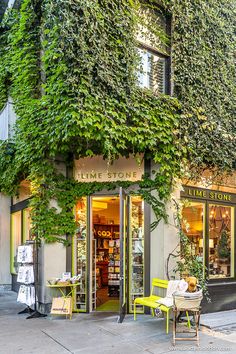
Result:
[
  {"x": 199, "y": 193},
  {"x": 91, "y": 169}
]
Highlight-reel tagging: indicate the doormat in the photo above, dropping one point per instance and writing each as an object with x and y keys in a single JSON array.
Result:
[{"x": 110, "y": 305}]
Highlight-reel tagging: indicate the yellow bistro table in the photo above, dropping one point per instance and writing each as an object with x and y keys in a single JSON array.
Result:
[{"x": 63, "y": 288}]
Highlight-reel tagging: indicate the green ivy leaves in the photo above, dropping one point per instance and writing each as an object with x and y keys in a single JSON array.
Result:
[
  {"x": 70, "y": 67},
  {"x": 204, "y": 76}
]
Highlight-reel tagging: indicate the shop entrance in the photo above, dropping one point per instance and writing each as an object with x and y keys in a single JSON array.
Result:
[
  {"x": 109, "y": 253},
  {"x": 110, "y": 234},
  {"x": 106, "y": 232}
]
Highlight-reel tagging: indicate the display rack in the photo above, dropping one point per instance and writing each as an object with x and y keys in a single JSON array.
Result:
[
  {"x": 105, "y": 234},
  {"x": 114, "y": 268},
  {"x": 106, "y": 230},
  {"x": 30, "y": 278}
]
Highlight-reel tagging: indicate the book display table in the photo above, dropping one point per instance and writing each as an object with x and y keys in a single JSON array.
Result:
[{"x": 66, "y": 304}]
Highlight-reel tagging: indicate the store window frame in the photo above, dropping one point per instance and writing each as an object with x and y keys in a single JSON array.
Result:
[
  {"x": 17, "y": 208},
  {"x": 208, "y": 202}
]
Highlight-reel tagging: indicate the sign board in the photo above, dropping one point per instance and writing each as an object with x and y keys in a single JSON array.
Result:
[
  {"x": 208, "y": 194},
  {"x": 62, "y": 306},
  {"x": 91, "y": 169}
]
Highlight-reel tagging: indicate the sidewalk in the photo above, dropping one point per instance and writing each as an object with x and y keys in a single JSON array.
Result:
[{"x": 96, "y": 333}]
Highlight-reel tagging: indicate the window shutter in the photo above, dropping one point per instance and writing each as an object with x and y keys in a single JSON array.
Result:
[
  {"x": 157, "y": 76},
  {"x": 145, "y": 68},
  {"x": 151, "y": 73}
]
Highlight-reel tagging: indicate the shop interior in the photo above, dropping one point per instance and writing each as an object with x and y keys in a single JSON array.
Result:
[{"x": 105, "y": 220}]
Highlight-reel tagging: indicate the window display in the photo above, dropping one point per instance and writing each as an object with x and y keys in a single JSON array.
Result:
[
  {"x": 20, "y": 232},
  {"x": 27, "y": 234},
  {"x": 221, "y": 245},
  {"x": 136, "y": 286},
  {"x": 16, "y": 239},
  {"x": 210, "y": 227},
  {"x": 81, "y": 254},
  {"x": 193, "y": 220}
]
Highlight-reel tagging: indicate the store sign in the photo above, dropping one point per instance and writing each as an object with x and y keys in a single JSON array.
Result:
[
  {"x": 91, "y": 169},
  {"x": 190, "y": 192},
  {"x": 61, "y": 306}
]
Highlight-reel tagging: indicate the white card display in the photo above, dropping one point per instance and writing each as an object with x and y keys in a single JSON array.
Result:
[
  {"x": 26, "y": 295},
  {"x": 26, "y": 274},
  {"x": 25, "y": 254}
]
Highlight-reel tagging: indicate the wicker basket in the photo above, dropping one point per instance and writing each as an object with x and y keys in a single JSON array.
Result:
[
  {"x": 188, "y": 300},
  {"x": 63, "y": 283}
]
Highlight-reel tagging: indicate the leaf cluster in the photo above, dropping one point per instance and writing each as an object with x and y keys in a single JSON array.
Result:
[
  {"x": 204, "y": 43},
  {"x": 72, "y": 69}
]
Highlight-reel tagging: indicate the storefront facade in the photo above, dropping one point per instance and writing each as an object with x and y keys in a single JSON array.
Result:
[
  {"x": 113, "y": 248},
  {"x": 209, "y": 221}
]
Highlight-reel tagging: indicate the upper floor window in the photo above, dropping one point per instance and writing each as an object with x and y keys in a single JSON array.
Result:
[
  {"x": 154, "y": 52},
  {"x": 7, "y": 121},
  {"x": 152, "y": 73},
  {"x": 11, "y": 3}
]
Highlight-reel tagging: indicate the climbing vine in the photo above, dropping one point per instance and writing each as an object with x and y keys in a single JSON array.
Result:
[
  {"x": 72, "y": 73},
  {"x": 204, "y": 75},
  {"x": 71, "y": 68}
]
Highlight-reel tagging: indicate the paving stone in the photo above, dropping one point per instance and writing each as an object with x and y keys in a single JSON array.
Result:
[{"x": 99, "y": 333}]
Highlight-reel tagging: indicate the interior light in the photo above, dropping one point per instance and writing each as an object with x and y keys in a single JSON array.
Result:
[
  {"x": 211, "y": 243},
  {"x": 97, "y": 205},
  {"x": 142, "y": 205}
]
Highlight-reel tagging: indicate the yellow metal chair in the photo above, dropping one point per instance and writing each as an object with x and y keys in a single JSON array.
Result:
[{"x": 150, "y": 301}]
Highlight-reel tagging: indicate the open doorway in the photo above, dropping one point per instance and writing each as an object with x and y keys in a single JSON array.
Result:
[{"x": 106, "y": 232}]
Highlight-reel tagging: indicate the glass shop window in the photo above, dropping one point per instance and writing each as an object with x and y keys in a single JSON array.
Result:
[
  {"x": 81, "y": 253},
  {"x": 20, "y": 232},
  {"x": 221, "y": 241},
  {"x": 193, "y": 217},
  {"x": 151, "y": 73},
  {"x": 27, "y": 227},
  {"x": 136, "y": 248},
  {"x": 16, "y": 238}
]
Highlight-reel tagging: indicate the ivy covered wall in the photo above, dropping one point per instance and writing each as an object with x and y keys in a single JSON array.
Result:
[
  {"x": 70, "y": 67},
  {"x": 204, "y": 45}
]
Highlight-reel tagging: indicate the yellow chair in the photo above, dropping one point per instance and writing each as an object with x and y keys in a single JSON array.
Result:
[{"x": 150, "y": 301}]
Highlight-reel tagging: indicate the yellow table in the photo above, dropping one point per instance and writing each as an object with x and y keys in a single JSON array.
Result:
[{"x": 72, "y": 293}]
